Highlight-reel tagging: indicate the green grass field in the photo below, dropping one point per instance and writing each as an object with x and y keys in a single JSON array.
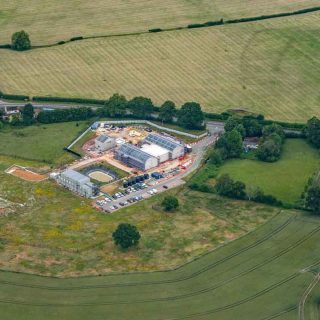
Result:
[
  {"x": 286, "y": 178},
  {"x": 57, "y": 233},
  {"x": 270, "y": 67},
  {"x": 53, "y": 20},
  {"x": 260, "y": 276},
  {"x": 42, "y": 143}
]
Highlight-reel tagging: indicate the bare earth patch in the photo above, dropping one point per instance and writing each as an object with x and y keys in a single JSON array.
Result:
[{"x": 25, "y": 174}]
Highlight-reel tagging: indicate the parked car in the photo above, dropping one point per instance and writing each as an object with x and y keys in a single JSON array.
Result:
[{"x": 165, "y": 187}]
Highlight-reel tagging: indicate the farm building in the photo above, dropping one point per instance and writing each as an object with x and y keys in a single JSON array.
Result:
[
  {"x": 175, "y": 148},
  {"x": 104, "y": 143},
  {"x": 156, "y": 151},
  {"x": 135, "y": 157},
  {"x": 77, "y": 183}
]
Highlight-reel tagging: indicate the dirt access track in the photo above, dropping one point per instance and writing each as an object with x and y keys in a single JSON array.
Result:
[{"x": 25, "y": 174}]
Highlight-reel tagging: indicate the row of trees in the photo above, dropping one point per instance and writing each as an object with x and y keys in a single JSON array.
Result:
[
  {"x": 227, "y": 187},
  {"x": 65, "y": 115},
  {"x": 189, "y": 116}
]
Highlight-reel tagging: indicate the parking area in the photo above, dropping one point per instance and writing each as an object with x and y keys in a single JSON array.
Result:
[{"x": 137, "y": 193}]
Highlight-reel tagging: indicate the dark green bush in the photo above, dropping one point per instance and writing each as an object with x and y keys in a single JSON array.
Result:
[
  {"x": 155, "y": 30},
  {"x": 76, "y": 38},
  {"x": 195, "y": 25},
  {"x": 5, "y": 46},
  {"x": 69, "y": 100},
  {"x": 14, "y": 97},
  {"x": 214, "y": 23}
]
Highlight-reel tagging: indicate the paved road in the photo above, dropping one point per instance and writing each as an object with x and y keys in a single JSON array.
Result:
[
  {"x": 51, "y": 105},
  {"x": 199, "y": 150}
]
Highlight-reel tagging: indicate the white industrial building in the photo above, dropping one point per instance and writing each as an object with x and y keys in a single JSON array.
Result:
[
  {"x": 104, "y": 143},
  {"x": 136, "y": 157},
  {"x": 156, "y": 151},
  {"x": 175, "y": 148},
  {"x": 77, "y": 183}
]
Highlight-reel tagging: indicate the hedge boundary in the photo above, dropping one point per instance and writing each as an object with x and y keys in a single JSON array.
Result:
[
  {"x": 207, "y": 24},
  {"x": 222, "y": 117}
]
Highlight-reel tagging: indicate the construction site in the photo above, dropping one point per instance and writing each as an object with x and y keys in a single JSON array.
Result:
[{"x": 119, "y": 159}]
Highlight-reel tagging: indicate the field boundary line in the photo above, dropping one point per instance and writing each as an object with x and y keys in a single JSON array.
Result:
[
  {"x": 306, "y": 294},
  {"x": 188, "y": 27}
]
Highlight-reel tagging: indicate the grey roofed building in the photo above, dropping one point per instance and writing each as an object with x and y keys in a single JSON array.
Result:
[
  {"x": 175, "y": 148},
  {"x": 104, "y": 142},
  {"x": 103, "y": 138},
  {"x": 135, "y": 157},
  {"x": 77, "y": 183},
  {"x": 76, "y": 176}
]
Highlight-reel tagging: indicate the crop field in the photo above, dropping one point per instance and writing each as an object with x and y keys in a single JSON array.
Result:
[
  {"x": 41, "y": 143},
  {"x": 284, "y": 179},
  {"x": 270, "y": 67},
  {"x": 261, "y": 276},
  {"x": 52, "y": 20}
]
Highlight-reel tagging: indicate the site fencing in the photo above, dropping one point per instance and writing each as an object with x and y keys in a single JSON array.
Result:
[{"x": 151, "y": 124}]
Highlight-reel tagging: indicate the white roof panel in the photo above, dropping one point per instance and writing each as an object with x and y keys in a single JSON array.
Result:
[{"x": 154, "y": 150}]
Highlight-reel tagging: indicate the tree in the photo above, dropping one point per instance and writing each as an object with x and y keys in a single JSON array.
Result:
[
  {"x": 20, "y": 41},
  {"x": 141, "y": 107},
  {"x": 170, "y": 203},
  {"x": 1, "y": 125},
  {"x": 190, "y": 116},
  {"x": 270, "y": 148},
  {"x": 259, "y": 196},
  {"x": 14, "y": 120},
  {"x": 313, "y": 131},
  {"x": 240, "y": 128},
  {"x": 253, "y": 127},
  {"x": 230, "y": 144},
  {"x": 225, "y": 186},
  {"x": 273, "y": 128},
  {"x": 27, "y": 113},
  {"x": 215, "y": 157},
  {"x": 115, "y": 106},
  {"x": 312, "y": 198},
  {"x": 126, "y": 235},
  {"x": 167, "y": 111},
  {"x": 232, "y": 123}
]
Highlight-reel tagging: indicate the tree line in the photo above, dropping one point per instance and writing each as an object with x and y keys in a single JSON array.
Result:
[
  {"x": 21, "y": 41},
  {"x": 189, "y": 116}
]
